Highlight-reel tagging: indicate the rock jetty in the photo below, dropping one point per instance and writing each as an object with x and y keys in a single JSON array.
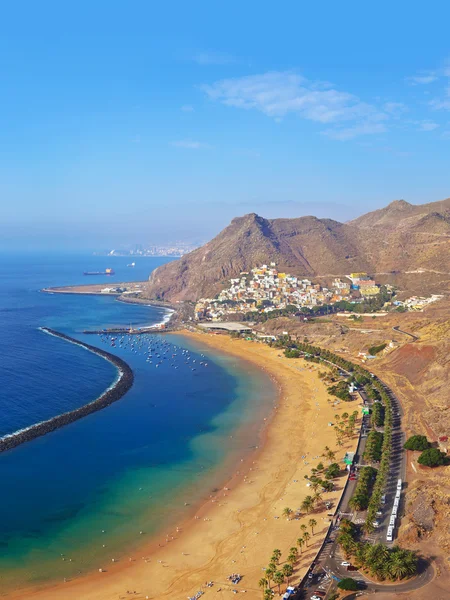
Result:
[{"x": 114, "y": 393}]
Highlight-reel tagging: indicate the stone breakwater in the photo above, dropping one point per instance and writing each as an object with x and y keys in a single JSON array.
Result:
[{"x": 112, "y": 394}]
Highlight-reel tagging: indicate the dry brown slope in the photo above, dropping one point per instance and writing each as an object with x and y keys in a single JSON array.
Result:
[
  {"x": 305, "y": 246},
  {"x": 400, "y": 238}
]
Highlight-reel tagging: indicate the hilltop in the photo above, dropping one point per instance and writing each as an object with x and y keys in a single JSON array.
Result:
[{"x": 396, "y": 242}]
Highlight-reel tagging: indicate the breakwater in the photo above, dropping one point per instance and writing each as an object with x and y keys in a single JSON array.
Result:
[{"x": 122, "y": 384}]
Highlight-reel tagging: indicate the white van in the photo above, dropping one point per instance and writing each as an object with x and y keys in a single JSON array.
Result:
[
  {"x": 389, "y": 534},
  {"x": 396, "y": 501},
  {"x": 398, "y": 493},
  {"x": 399, "y": 484},
  {"x": 394, "y": 511},
  {"x": 392, "y": 521}
]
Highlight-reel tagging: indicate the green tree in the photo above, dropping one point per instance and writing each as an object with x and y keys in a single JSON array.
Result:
[
  {"x": 306, "y": 537},
  {"x": 312, "y": 523},
  {"x": 300, "y": 542},
  {"x": 288, "y": 571},
  {"x": 348, "y": 584},
  {"x": 307, "y": 504},
  {"x": 268, "y": 594},
  {"x": 432, "y": 458},
  {"x": 278, "y": 579},
  {"x": 270, "y": 573},
  {"x": 263, "y": 583},
  {"x": 277, "y": 555},
  {"x": 287, "y": 512},
  {"x": 332, "y": 471},
  {"x": 417, "y": 442}
]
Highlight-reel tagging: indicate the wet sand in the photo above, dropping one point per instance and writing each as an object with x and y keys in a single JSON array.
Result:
[{"x": 238, "y": 528}]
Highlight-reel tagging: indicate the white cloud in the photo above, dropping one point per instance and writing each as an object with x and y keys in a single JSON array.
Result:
[
  {"x": 187, "y": 108},
  {"x": 344, "y": 134},
  {"x": 213, "y": 58},
  {"x": 395, "y": 108},
  {"x": 442, "y": 103},
  {"x": 426, "y": 125},
  {"x": 190, "y": 144},
  {"x": 277, "y": 94},
  {"x": 423, "y": 79}
]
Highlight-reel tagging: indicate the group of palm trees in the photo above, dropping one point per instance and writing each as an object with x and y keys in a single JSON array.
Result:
[
  {"x": 392, "y": 563},
  {"x": 278, "y": 574},
  {"x": 345, "y": 426},
  {"x": 379, "y": 560}
]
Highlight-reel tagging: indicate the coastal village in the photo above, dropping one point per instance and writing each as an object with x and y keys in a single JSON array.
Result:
[{"x": 265, "y": 289}]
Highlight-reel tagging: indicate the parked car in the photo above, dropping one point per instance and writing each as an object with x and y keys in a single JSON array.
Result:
[{"x": 345, "y": 564}]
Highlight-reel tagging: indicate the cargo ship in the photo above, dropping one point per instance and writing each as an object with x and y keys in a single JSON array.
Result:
[{"x": 105, "y": 272}]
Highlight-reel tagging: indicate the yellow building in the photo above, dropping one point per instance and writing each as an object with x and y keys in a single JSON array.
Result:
[{"x": 369, "y": 290}]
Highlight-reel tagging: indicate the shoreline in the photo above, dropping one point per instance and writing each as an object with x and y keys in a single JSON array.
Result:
[
  {"x": 114, "y": 392},
  {"x": 220, "y": 536}
]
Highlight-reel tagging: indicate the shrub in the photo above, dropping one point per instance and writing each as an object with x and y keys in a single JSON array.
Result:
[
  {"x": 348, "y": 584},
  {"x": 291, "y": 353},
  {"x": 432, "y": 458},
  {"x": 373, "y": 350},
  {"x": 417, "y": 442}
]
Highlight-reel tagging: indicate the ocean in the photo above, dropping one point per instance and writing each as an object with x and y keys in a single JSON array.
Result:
[{"x": 80, "y": 496}]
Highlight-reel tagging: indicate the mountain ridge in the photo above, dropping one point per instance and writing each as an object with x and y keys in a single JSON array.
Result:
[{"x": 398, "y": 237}]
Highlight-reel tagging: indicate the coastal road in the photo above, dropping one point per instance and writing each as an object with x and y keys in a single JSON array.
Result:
[{"x": 327, "y": 569}]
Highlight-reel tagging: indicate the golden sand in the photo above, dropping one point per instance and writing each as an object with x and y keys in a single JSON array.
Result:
[{"x": 237, "y": 531}]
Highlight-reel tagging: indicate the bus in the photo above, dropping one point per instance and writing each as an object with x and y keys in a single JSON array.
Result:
[{"x": 389, "y": 534}]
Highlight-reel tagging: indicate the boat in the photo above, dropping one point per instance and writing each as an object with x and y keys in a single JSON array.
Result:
[
  {"x": 133, "y": 264},
  {"x": 105, "y": 272}
]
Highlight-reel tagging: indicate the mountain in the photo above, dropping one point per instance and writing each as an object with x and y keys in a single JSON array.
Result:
[
  {"x": 401, "y": 237},
  {"x": 400, "y": 214}
]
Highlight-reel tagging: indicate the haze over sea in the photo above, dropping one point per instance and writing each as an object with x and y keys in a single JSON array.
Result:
[{"x": 131, "y": 467}]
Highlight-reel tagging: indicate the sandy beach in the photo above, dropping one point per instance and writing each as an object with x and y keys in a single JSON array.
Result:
[{"x": 237, "y": 530}]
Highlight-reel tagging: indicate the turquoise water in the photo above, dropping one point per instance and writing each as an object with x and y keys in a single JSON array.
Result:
[{"x": 129, "y": 468}]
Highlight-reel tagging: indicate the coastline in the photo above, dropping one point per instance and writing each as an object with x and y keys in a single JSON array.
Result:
[
  {"x": 237, "y": 529},
  {"x": 114, "y": 392}
]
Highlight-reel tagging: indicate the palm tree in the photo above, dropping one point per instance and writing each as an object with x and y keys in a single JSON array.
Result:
[
  {"x": 300, "y": 542},
  {"x": 273, "y": 565},
  {"x": 278, "y": 578},
  {"x": 268, "y": 594},
  {"x": 315, "y": 485},
  {"x": 288, "y": 571},
  {"x": 263, "y": 583},
  {"x": 277, "y": 555},
  {"x": 317, "y": 498},
  {"x": 287, "y": 512},
  {"x": 329, "y": 454},
  {"x": 308, "y": 504},
  {"x": 306, "y": 537},
  {"x": 312, "y": 523},
  {"x": 303, "y": 527},
  {"x": 269, "y": 574}
]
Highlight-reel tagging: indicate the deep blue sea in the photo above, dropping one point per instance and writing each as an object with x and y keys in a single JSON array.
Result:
[{"x": 131, "y": 467}]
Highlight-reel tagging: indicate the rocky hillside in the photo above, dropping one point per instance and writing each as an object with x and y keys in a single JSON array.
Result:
[{"x": 401, "y": 237}]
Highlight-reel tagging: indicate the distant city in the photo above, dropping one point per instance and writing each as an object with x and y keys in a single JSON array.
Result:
[{"x": 176, "y": 250}]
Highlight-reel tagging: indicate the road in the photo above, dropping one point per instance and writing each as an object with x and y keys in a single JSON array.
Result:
[
  {"x": 411, "y": 335},
  {"x": 327, "y": 569}
]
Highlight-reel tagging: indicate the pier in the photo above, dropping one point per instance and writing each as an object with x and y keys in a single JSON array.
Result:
[{"x": 128, "y": 330}]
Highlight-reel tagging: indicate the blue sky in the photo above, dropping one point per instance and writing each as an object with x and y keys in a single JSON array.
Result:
[{"x": 149, "y": 122}]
